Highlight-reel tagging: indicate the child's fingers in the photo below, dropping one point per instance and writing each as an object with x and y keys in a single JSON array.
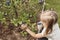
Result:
[{"x": 23, "y": 26}]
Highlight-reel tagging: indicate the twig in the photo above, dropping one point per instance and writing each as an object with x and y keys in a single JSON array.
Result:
[{"x": 43, "y": 7}]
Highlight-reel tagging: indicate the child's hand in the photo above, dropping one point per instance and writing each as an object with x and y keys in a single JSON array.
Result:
[{"x": 23, "y": 26}]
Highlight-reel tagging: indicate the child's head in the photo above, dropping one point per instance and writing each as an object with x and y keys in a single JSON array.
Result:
[
  {"x": 49, "y": 18},
  {"x": 52, "y": 14}
]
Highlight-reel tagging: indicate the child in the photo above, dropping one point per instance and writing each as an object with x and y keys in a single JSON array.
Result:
[{"x": 50, "y": 26}]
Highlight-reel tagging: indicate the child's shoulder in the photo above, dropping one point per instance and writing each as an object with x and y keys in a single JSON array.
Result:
[{"x": 56, "y": 26}]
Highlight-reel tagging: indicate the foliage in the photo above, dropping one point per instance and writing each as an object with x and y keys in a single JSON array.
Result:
[{"x": 18, "y": 11}]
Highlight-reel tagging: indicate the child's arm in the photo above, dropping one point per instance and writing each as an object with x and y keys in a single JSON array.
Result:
[{"x": 39, "y": 35}]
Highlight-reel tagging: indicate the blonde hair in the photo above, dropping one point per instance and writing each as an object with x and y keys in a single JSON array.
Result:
[{"x": 50, "y": 17}]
